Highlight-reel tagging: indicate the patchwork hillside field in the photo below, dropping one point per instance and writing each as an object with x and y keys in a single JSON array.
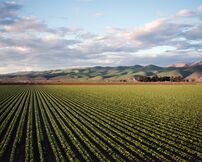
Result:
[{"x": 101, "y": 123}]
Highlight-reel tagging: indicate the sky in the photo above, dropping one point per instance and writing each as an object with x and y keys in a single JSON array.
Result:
[{"x": 52, "y": 34}]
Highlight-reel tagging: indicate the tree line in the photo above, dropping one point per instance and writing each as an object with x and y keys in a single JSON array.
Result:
[{"x": 159, "y": 79}]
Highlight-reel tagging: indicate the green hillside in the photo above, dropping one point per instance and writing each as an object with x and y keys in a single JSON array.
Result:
[{"x": 99, "y": 73}]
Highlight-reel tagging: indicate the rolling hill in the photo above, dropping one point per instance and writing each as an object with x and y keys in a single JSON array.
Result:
[
  {"x": 191, "y": 72},
  {"x": 196, "y": 76}
]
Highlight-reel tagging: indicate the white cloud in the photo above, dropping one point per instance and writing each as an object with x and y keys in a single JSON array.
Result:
[
  {"x": 29, "y": 41},
  {"x": 22, "y": 49},
  {"x": 153, "y": 25},
  {"x": 199, "y": 9},
  {"x": 185, "y": 13},
  {"x": 98, "y": 14},
  {"x": 25, "y": 24}
]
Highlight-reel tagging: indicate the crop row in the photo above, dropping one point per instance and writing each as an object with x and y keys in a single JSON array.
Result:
[{"x": 54, "y": 123}]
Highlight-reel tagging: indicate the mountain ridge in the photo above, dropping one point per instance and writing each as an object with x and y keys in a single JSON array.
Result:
[
  {"x": 182, "y": 64},
  {"x": 106, "y": 74}
]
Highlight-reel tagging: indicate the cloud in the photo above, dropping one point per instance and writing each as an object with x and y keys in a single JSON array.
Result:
[
  {"x": 186, "y": 13},
  {"x": 24, "y": 24},
  {"x": 199, "y": 9},
  {"x": 160, "y": 34},
  {"x": 8, "y": 11},
  {"x": 112, "y": 29},
  {"x": 29, "y": 43},
  {"x": 194, "y": 34},
  {"x": 98, "y": 14}
]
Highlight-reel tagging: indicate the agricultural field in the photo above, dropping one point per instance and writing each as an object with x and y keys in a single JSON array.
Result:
[{"x": 101, "y": 123}]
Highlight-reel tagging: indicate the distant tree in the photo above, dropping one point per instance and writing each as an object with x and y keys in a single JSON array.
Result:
[
  {"x": 160, "y": 79},
  {"x": 123, "y": 80},
  {"x": 176, "y": 79},
  {"x": 155, "y": 78}
]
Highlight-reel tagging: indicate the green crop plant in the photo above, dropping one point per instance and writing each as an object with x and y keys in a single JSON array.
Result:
[{"x": 100, "y": 123}]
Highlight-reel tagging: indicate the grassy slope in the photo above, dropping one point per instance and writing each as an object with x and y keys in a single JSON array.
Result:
[{"x": 100, "y": 73}]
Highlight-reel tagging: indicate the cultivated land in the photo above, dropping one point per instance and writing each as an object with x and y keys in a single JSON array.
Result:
[{"x": 100, "y": 123}]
